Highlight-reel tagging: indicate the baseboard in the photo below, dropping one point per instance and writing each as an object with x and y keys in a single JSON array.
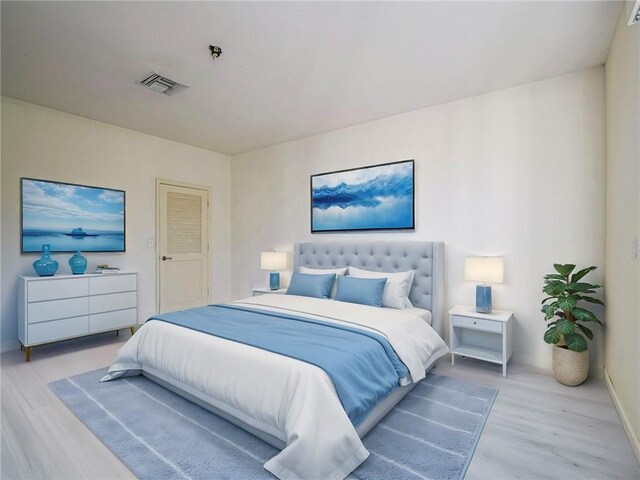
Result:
[
  {"x": 633, "y": 439},
  {"x": 543, "y": 362},
  {"x": 9, "y": 345},
  {"x": 533, "y": 360}
]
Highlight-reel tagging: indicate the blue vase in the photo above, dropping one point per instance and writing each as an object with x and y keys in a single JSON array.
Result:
[
  {"x": 483, "y": 299},
  {"x": 45, "y": 266},
  {"x": 78, "y": 263},
  {"x": 274, "y": 280}
]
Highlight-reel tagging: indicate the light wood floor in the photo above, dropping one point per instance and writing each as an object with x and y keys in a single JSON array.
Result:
[{"x": 538, "y": 429}]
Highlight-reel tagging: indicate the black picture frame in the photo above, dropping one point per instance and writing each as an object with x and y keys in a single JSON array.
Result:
[
  {"x": 373, "y": 229},
  {"x": 124, "y": 217}
]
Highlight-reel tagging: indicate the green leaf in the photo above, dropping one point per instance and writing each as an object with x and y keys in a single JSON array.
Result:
[
  {"x": 567, "y": 303},
  {"x": 591, "y": 299},
  {"x": 580, "y": 274},
  {"x": 564, "y": 270},
  {"x": 565, "y": 327},
  {"x": 552, "y": 335},
  {"x": 576, "y": 342},
  {"x": 586, "y": 331},
  {"x": 580, "y": 287},
  {"x": 583, "y": 315},
  {"x": 549, "y": 310},
  {"x": 554, "y": 288},
  {"x": 555, "y": 276}
]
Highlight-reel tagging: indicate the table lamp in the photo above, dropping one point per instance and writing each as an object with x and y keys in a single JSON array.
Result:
[
  {"x": 484, "y": 270},
  {"x": 273, "y": 261}
]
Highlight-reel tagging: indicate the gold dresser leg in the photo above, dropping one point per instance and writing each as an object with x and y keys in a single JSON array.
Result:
[
  {"x": 133, "y": 330},
  {"x": 27, "y": 354}
]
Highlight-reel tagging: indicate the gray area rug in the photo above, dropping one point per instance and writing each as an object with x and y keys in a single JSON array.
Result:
[{"x": 431, "y": 434}]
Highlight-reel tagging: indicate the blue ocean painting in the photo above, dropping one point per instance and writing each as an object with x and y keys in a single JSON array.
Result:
[
  {"x": 72, "y": 217},
  {"x": 370, "y": 198}
]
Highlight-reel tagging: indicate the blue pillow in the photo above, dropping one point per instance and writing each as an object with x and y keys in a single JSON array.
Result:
[
  {"x": 366, "y": 291},
  {"x": 309, "y": 285}
]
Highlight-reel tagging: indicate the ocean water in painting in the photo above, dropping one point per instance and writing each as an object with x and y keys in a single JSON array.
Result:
[
  {"x": 368, "y": 198},
  {"x": 71, "y": 217}
]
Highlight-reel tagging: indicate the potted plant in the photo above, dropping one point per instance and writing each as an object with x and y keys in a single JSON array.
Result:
[{"x": 566, "y": 330}]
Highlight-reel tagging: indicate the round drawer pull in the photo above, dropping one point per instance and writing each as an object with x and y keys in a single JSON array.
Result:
[{"x": 474, "y": 323}]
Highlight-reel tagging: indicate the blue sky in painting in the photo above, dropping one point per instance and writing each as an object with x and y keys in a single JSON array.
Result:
[
  {"x": 59, "y": 207},
  {"x": 378, "y": 197}
]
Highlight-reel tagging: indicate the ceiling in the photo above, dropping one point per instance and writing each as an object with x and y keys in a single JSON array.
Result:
[{"x": 288, "y": 70}]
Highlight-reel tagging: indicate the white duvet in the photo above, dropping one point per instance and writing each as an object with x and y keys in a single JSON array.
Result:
[{"x": 287, "y": 398}]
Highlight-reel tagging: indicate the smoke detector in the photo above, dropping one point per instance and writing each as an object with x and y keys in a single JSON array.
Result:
[
  {"x": 161, "y": 84},
  {"x": 635, "y": 14}
]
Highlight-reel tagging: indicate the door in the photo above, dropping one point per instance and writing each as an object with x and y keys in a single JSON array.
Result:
[{"x": 182, "y": 246}]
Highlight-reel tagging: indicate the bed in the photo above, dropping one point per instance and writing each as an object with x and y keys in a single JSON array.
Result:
[{"x": 294, "y": 405}]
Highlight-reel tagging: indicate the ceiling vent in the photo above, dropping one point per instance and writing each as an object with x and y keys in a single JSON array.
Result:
[
  {"x": 161, "y": 84},
  {"x": 635, "y": 14}
]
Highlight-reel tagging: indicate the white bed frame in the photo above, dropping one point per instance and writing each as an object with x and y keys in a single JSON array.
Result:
[{"x": 427, "y": 292}]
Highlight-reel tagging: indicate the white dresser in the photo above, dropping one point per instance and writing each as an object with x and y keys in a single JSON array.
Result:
[{"x": 66, "y": 306}]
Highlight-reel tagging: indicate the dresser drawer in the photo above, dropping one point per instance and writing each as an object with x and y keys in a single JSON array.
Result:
[
  {"x": 112, "y": 301},
  {"x": 113, "y": 320},
  {"x": 40, "y": 290},
  {"x": 57, "y": 330},
  {"x": 477, "y": 323},
  {"x": 55, "y": 309},
  {"x": 120, "y": 282}
]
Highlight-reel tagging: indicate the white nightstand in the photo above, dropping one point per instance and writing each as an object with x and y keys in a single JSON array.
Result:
[
  {"x": 266, "y": 290},
  {"x": 485, "y": 336}
]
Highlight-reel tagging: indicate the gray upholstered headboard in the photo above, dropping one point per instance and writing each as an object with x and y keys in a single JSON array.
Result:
[{"x": 426, "y": 258}]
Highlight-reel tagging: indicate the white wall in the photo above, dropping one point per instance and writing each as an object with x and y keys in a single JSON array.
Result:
[
  {"x": 518, "y": 172},
  {"x": 43, "y": 143},
  {"x": 622, "y": 346}
]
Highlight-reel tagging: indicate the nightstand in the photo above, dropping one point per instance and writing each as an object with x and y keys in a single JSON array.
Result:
[
  {"x": 485, "y": 336},
  {"x": 267, "y": 290}
]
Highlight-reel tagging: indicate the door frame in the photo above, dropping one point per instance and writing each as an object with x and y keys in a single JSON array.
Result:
[{"x": 176, "y": 183}]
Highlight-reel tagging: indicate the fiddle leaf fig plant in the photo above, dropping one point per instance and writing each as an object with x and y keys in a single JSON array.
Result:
[{"x": 566, "y": 319}]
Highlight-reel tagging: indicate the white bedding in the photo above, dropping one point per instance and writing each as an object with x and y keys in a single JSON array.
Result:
[
  {"x": 287, "y": 398},
  {"x": 425, "y": 315}
]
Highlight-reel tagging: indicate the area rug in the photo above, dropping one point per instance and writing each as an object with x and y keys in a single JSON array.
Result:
[{"x": 431, "y": 434}]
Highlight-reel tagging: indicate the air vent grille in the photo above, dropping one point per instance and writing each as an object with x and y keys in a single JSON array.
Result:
[{"x": 161, "y": 84}]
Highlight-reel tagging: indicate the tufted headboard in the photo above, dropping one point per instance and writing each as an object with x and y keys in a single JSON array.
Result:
[{"x": 426, "y": 258}]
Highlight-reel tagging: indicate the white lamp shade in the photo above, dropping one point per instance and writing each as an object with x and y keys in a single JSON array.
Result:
[
  {"x": 484, "y": 269},
  {"x": 273, "y": 260}
]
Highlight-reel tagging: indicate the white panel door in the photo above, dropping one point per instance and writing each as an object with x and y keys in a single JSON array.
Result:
[{"x": 183, "y": 247}]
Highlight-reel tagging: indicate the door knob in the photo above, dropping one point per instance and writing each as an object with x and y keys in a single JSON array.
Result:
[{"x": 166, "y": 258}]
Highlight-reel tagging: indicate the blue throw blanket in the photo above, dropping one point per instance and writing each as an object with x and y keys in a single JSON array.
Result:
[{"x": 363, "y": 366}]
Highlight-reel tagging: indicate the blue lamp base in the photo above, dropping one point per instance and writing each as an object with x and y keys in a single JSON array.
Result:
[
  {"x": 274, "y": 280},
  {"x": 483, "y": 299}
]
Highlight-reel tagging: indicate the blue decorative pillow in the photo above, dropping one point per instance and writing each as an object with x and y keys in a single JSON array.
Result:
[
  {"x": 366, "y": 291},
  {"x": 308, "y": 285}
]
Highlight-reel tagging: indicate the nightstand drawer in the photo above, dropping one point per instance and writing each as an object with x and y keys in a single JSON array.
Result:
[{"x": 477, "y": 324}]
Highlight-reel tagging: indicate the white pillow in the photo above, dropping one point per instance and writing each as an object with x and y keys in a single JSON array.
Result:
[
  {"x": 324, "y": 271},
  {"x": 396, "y": 290}
]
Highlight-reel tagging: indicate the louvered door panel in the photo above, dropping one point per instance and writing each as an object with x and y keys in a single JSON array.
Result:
[
  {"x": 184, "y": 223},
  {"x": 183, "y": 247}
]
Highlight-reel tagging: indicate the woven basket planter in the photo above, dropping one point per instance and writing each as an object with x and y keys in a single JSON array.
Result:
[{"x": 570, "y": 368}]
